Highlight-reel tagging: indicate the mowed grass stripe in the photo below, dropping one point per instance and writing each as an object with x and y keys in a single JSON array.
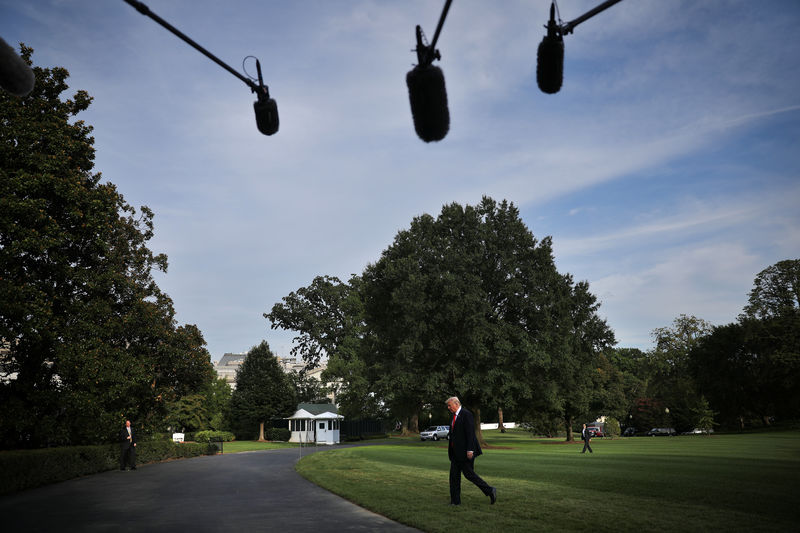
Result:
[{"x": 738, "y": 482}]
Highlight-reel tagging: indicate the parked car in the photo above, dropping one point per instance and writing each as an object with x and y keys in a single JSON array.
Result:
[
  {"x": 630, "y": 431},
  {"x": 435, "y": 433},
  {"x": 698, "y": 431},
  {"x": 594, "y": 431},
  {"x": 661, "y": 432}
]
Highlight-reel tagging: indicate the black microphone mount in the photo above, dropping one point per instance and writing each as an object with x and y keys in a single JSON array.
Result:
[
  {"x": 427, "y": 53},
  {"x": 264, "y": 102},
  {"x": 568, "y": 27}
]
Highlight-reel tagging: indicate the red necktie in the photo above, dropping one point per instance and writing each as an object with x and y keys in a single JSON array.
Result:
[{"x": 453, "y": 423}]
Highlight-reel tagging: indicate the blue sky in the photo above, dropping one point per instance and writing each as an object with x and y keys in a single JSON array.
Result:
[{"x": 666, "y": 169}]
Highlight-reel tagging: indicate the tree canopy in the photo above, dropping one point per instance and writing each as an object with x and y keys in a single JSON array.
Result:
[
  {"x": 751, "y": 368},
  {"x": 469, "y": 303},
  {"x": 776, "y": 291}
]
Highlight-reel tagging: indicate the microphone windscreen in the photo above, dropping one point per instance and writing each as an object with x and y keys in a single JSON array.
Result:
[
  {"x": 428, "y": 97},
  {"x": 16, "y": 76},
  {"x": 550, "y": 64},
  {"x": 266, "y": 115}
]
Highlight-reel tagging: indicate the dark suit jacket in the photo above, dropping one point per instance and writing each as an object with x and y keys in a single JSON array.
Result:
[
  {"x": 586, "y": 435},
  {"x": 123, "y": 436},
  {"x": 462, "y": 437}
]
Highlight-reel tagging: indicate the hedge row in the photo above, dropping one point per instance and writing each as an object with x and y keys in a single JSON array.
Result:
[
  {"x": 211, "y": 435},
  {"x": 26, "y": 469},
  {"x": 353, "y": 438}
]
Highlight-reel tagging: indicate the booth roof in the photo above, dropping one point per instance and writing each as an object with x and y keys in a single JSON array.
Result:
[{"x": 316, "y": 410}]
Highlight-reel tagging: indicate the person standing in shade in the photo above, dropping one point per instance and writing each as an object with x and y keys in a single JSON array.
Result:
[
  {"x": 128, "y": 447},
  {"x": 586, "y": 436},
  {"x": 462, "y": 449}
]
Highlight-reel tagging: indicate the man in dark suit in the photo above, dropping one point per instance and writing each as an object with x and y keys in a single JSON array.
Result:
[
  {"x": 462, "y": 449},
  {"x": 586, "y": 436},
  {"x": 128, "y": 446}
]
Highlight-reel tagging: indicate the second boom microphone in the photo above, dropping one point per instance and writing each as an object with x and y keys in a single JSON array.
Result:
[{"x": 428, "y": 97}]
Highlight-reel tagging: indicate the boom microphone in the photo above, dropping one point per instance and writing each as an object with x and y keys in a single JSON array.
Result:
[
  {"x": 550, "y": 58},
  {"x": 550, "y": 55},
  {"x": 426, "y": 91},
  {"x": 16, "y": 76},
  {"x": 428, "y": 97},
  {"x": 550, "y": 64},
  {"x": 266, "y": 108},
  {"x": 266, "y": 115}
]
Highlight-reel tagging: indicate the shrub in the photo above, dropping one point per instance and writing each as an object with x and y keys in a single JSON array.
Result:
[
  {"x": 278, "y": 434},
  {"x": 611, "y": 427},
  {"x": 354, "y": 438},
  {"x": 211, "y": 435},
  {"x": 25, "y": 469}
]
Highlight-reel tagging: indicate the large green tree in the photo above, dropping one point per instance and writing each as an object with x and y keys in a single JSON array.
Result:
[
  {"x": 91, "y": 339},
  {"x": 634, "y": 372},
  {"x": 672, "y": 386},
  {"x": 578, "y": 340},
  {"x": 328, "y": 317},
  {"x": 263, "y": 393},
  {"x": 470, "y": 303},
  {"x": 217, "y": 402},
  {"x": 751, "y": 369}
]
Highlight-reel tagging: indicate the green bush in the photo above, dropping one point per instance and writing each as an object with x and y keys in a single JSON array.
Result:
[
  {"x": 611, "y": 427},
  {"x": 278, "y": 434},
  {"x": 25, "y": 469},
  {"x": 216, "y": 436}
]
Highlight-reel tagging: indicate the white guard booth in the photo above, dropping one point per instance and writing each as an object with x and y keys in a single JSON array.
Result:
[{"x": 315, "y": 423}]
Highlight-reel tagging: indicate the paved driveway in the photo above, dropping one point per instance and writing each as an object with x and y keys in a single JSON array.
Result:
[{"x": 253, "y": 491}]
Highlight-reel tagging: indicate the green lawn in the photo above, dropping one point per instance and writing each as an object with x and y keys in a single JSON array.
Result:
[
  {"x": 252, "y": 445},
  {"x": 687, "y": 483}
]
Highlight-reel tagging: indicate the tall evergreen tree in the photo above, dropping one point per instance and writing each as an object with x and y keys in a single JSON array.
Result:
[{"x": 263, "y": 393}]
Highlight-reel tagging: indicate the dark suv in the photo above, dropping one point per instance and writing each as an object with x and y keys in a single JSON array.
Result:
[{"x": 661, "y": 432}]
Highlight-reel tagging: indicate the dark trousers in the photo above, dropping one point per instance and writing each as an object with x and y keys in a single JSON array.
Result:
[
  {"x": 468, "y": 468},
  {"x": 586, "y": 446},
  {"x": 127, "y": 457}
]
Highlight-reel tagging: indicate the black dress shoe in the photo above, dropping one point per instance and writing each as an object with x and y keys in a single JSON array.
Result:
[{"x": 493, "y": 495}]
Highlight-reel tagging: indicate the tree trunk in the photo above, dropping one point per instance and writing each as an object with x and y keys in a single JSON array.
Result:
[
  {"x": 500, "y": 420},
  {"x": 405, "y": 432},
  {"x": 414, "y": 423},
  {"x": 568, "y": 424},
  {"x": 261, "y": 433},
  {"x": 478, "y": 431}
]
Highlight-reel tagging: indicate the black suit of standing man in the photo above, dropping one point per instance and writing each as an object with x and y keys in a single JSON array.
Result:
[
  {"x": 462, "y": 449},
  {"x": 586, "y": 436},
  {"x": 128, "y": 447}
]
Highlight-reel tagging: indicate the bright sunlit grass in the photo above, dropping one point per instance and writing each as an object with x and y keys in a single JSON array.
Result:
[{"x": 687, "y": 483}]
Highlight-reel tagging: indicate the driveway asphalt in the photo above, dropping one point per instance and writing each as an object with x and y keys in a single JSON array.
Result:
[{"x": 251, "y": 491}]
